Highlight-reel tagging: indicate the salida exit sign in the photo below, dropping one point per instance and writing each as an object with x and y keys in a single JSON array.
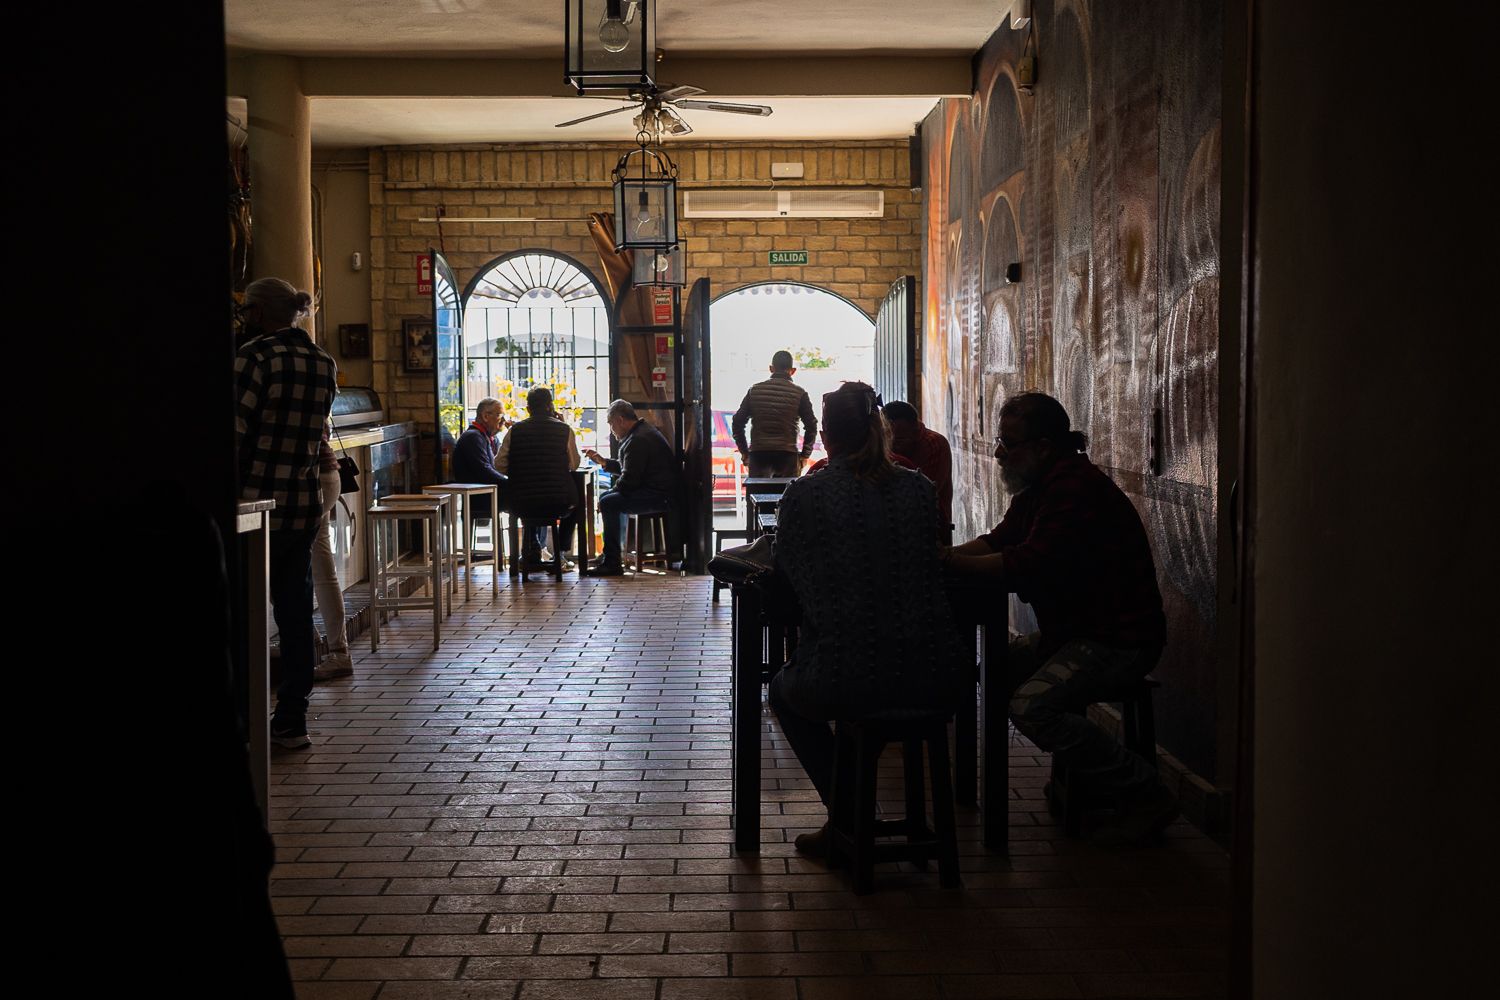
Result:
[{"x": 781, "y": 258}]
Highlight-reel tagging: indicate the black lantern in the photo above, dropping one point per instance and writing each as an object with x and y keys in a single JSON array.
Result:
[
  {"x": 659, "y": 267},
  {"x": 645, "y": 200},
  {"x": 611, "y": 45}
]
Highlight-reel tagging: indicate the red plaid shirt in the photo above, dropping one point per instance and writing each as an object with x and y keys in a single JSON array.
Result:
[{"x": 1076, "y": 551}]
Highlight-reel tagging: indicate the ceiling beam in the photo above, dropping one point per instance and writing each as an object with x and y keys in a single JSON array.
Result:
[{"x": 792, "y": 76}]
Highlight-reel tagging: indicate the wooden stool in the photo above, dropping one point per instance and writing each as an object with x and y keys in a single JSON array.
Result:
[
  {"x": 720, "y": 534},
  {"x": 657, "y": 522},
  {"x": 853, "y": 827},
  {"x": 518, "y": 556},
  {"x": 465, "y": 532},
  {"x": 384, "y": 536},
  {"x": 447, "y": 537},
  {"x": 1068, "y": 796}
]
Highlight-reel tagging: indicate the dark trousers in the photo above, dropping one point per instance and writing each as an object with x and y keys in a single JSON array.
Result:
[
  {"x": 292, "y": 605},
  {"x": 808, "y": 733},
  {"x": 615, "y": 505},
  {"x": 774, "y": 464}
]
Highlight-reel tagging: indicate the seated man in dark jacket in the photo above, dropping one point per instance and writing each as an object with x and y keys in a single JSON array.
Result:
[
  {"x": 858, "y": 543},
  {"x": 646, "y": 480},
  {"x": 539, "y": 455},
  {"x": 474, "y": 456},
  {"x": 1072, "y": 546}
]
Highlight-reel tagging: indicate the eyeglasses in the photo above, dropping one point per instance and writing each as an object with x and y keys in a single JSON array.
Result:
[{"x": 1010, "y": 446}]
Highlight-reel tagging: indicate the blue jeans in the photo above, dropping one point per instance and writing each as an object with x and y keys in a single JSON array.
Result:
[
  {"x": 615, "y": 505},
  {"x": 291, "y": 587},
  {"x": 1049, "y": 696}
]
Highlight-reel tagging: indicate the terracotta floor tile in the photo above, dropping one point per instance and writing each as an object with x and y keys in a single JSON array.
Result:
[{"x": 540, "y": 810}]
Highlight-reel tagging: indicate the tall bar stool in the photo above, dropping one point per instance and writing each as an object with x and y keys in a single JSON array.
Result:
[
  {"x": 462, "y": 493},
  {"x": 517, "y": 548},
  {"x": 853, "y": 828},
  {"x": 1068, "y": 795},
  {"x": 387, "y": 570},
  {"x": 446, "y": 540},
  {"x": 657, "y": 554}
]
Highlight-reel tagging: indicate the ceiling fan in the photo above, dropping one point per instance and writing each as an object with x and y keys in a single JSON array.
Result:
[{"x": 658, "y": 113}]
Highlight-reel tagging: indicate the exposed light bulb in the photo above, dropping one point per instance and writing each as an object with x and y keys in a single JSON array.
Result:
[
  {"x": 645, "y": 225},
  {"x": 614, "y": 30},
  {"x": 613, "y": 35},
  {"x": 663, "y": 262}
]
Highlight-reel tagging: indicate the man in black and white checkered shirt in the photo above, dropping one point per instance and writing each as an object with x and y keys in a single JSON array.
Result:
[{"x": 284, "y": 389}]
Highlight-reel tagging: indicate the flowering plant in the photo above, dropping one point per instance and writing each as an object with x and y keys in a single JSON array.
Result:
[
  {"x": 512, "y": 396},
  {"x": 812, "y": 357}
]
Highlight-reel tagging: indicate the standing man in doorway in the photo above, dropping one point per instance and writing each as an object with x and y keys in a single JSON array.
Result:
[{"x": 773, "y": 408}]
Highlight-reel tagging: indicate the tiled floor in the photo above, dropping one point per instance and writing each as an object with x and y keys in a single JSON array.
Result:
[{"x": 541, "y": 810}]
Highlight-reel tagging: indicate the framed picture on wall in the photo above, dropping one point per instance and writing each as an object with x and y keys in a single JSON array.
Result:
[
  {"x": 418, "y": 345},
  {"x": 354, "y": 340}
]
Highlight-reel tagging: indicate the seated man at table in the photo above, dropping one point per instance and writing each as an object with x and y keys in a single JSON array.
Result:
[
  {"x": 928, "y": 452},
  {"x": 538, "y": 456},
  {"x": 1072, "y": 546},
  {"x": 474, "y": 459},
  {"x": 857, "y": 542},
  {"x": 646, "y": 478}
]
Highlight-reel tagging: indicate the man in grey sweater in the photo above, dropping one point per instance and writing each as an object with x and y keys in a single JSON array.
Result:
[{"x": 773, "y": 408}]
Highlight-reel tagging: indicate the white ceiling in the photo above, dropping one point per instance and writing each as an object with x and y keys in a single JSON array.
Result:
[
  {"x": 383, "y": 121},
  {"x": 762, "y": 31},
  {"x": 535, "y": 27}
]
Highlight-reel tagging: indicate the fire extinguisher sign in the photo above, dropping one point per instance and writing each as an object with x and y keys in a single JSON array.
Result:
[
  {"x": 424, "y": 274},
  {"x": 661, "y": 307}
]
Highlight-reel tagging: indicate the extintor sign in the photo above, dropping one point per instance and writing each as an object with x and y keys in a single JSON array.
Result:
[{"x": 424, "y": 274}]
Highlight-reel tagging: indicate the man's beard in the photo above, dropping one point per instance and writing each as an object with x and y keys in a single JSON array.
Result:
[{"x": 1015, "y": 479}]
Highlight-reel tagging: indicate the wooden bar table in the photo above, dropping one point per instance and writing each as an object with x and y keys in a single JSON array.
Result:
[{"x": 253, "y": 519}]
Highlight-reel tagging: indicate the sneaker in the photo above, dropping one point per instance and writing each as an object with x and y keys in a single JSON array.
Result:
[
  {"x": 1142, "y": 822},
  {"x": 290, "y": 734},
  {"x": 334, "y": 665}
]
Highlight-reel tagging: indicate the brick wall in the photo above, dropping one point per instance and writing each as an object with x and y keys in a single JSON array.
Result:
[{"x": 560, "y": 184}]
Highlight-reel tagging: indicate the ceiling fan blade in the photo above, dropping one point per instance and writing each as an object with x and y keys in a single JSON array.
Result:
[
  {"x": 614, "y": 111},
  {"x": 678, "y": 93},
  {"x": 761, "y": 110}
]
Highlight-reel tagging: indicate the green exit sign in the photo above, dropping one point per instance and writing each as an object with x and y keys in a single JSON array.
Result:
[{"x": 785, "y": 257}]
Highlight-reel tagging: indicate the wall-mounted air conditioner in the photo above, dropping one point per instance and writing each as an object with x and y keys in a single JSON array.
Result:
[{"x": 790, "y": 203}]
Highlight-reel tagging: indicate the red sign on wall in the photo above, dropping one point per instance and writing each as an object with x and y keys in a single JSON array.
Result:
[
  {"x": 424, "y": 274},
  {"x": 661, "y": 307}
]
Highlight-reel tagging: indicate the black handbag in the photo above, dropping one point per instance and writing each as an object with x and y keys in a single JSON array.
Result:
[
  {"x": 743, "y": 563},
  {"x": 348, "y": 470}
]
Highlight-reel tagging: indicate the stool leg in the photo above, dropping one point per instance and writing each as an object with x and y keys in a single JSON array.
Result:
[
  {"x": 432, "y": 534},
  {"x": 557, "y": 549},
  {"x": 942, "y": 808},
  {"x": 467, "y": 527},
  {"x": 497, "y": 548},
  {"x": 916, "y": 805},
  {"x": 1147, "y": 725},
  {"x": 867, "y": 760},
  {"x": 372, "y": 532}
]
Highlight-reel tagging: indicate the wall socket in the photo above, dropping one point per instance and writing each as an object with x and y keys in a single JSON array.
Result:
[{"x": 780, "y": 171}]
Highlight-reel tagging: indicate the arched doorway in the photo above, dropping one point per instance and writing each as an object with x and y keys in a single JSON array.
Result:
[
  {"x": 831, "y": 340},
  {"x": 537, "y": 317}
]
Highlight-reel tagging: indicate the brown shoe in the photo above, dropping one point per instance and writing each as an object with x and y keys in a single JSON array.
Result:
[{"x": 818, "y": 846}]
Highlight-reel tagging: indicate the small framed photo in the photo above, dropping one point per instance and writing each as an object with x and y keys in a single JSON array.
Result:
[
  {"x": 354, "y": 340},
  {"x": 418, "y": 345}
]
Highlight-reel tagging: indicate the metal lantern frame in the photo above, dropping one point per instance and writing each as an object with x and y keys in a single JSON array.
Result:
[
  {"x": 633, "y": 195},
  {"x": 661, "y": 268},
  {"x": 589, "y": 67}
]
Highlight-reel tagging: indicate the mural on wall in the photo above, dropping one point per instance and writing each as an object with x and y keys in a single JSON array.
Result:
[{"x": 1102, "y": 185}]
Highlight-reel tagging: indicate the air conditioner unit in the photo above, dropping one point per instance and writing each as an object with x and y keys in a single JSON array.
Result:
[{"x": 791, "y": 203}]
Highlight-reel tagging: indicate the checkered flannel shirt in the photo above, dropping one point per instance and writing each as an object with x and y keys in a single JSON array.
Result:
[{"x": 284, "y": 389}]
